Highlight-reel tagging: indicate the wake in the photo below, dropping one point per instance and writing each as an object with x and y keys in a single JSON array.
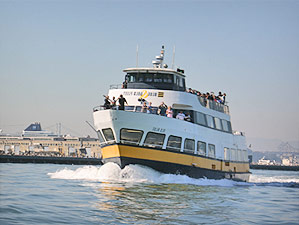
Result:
[{"x": 111, "y": 172}]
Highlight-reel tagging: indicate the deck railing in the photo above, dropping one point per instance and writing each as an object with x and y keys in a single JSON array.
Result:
[{"x": 213, "y": 105}]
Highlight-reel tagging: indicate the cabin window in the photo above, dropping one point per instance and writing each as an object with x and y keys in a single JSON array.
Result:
[
  {"x": 229, "y": 126},
  {"x": 211, "y": 152},
  {"x": 129, "y": 108},
  {"x": 210, "y": 121},
  {"x": 245, "y": 155},
  {"x": 226, "y": 154},
  {"x": 200, "y": 119},
  {"x": 109, "y": 136},
  {"x": 138, "y": 109},
  {"x": 201, "y": 148},
  {"x": 239, "y": 155},
  {"x": 130, "y": 136},
  {"x": 189, "y": 146},
  {"x": 233, "y": 154},
  {"x": 100, "y": 136},
  {"x": 154, "y": 140},
  {"x": 218, "y": 123},
  {"x": 174, "y": 143},
  {"x": 225, "y": 125}
]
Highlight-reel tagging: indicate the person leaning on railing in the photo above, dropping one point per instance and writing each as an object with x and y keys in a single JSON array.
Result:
[{"x": 107, "y": 102}]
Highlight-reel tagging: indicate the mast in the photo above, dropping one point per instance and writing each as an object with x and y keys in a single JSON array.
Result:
[{"x": 158, "y": 63}]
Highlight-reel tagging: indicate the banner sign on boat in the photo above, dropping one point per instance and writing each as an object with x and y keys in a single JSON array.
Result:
[{"x": 143, "y": 94}]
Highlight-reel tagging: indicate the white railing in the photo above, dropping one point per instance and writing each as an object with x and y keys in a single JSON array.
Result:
[{"x": 213, "y": 105}]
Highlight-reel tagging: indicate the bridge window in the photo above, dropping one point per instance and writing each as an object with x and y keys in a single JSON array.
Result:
[
  {"x": 158, "y": 78},
  {"x": 154, "y": 140},
  {"x": 174, "y": 143},
  {"x": 189, "y": 146},
  {"x": 211, "y": 152},
  {"x": 109, "y": 136},
  {"x": 201, "y": 148},
  {"x": 148, "y": 77},
  {"x": 130, "y": 136},
  {"x": 168, "y": 78}
]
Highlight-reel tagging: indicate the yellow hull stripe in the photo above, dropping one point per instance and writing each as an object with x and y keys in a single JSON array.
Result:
[{"x": 113, "y": 151}]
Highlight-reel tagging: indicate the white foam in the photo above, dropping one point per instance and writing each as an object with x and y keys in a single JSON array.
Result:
[
  {"x": 267, "y": 179},
  {"x": 140, "y": 174},
  {"x": 134, "y": 174}
]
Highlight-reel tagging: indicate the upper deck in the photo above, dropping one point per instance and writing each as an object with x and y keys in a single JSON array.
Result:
[{"x": 160, "y": 80}]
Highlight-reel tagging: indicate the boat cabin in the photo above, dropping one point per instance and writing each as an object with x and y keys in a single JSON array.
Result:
[{"x": 155, "y": 78}]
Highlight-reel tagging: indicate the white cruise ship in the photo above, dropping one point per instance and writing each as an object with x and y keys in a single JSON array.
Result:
[{"x": 206, "y": 146}]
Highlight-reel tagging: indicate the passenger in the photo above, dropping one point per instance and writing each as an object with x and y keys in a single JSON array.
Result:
[
  {"x": 220, "y": 97},
  {"x": 162, "y": 109},
  {"x": 122, "y": 101},
  {"x": 107, "y": 102},
  {"x": 150, "y": 108},
  {"x": 180, "y": 115},
  {"x": 113, "y": 102},
  {"x": 169, "y": 112},
  {"x": 188, "y": 117},
  {"x": 223, "y": 97},
  {"x": 144, "y": 108},
  {"x": 125, "y": 84},
  {"x": 211, "y": 96}
]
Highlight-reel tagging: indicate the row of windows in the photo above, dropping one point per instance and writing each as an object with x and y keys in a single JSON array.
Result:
[
  {"x": 235, "y": 154},
  {"x": 212, "y": 122},
  {"x": 196, "y": 117},
  {"x": 157, "y": 80},
  {"x": 174, "y": 143}
]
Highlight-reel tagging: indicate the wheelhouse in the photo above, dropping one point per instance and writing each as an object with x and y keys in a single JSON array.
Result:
[{"x": 163, "y": 79}]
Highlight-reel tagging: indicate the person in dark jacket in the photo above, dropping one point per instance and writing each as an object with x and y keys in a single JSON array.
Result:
[
  {"x": 122, "y": 101},
  {"x": 107, "y": 102},
  {"x": 162, "y": 109}
]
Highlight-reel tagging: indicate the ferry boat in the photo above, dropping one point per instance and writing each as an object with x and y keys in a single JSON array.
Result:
[{"x": 204, "y": 146}]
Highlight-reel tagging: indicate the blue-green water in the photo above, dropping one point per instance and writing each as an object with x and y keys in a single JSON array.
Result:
[{"x": 66, "y": 194}]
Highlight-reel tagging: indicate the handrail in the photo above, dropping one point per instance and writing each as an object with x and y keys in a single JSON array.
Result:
[
  {"x": 213, "y": 105},
  {"x": 116, "y": 86}
]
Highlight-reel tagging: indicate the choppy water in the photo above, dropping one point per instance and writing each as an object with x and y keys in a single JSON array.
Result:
[{"x": 60, "y": 194}]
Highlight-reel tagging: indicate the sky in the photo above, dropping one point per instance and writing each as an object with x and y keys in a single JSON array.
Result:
[{"x": 58, "y": 58}]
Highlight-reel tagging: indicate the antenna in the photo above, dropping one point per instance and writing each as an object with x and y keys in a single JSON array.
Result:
[
  {"x": 137, "y": 49},
  {"x": 173, "y": 55}
]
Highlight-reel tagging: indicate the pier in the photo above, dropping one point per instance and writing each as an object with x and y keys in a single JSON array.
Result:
[
  {"x": 274, "y": 167},
  {"x": 98, "y": 161},
  {"x": 46, "y": 159}
]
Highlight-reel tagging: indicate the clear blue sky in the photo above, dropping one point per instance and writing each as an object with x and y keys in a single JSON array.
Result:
[{"x": 57, "y": 58}]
